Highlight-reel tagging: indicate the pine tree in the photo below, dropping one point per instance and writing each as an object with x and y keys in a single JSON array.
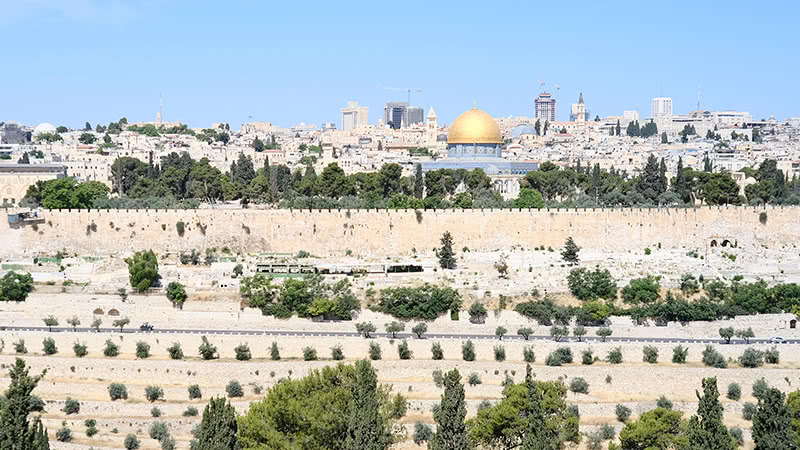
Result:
[
  {"x": 570, "y": 252},
  {"x": 540, "y": 435},
  {"x": 447, "y": 258},
  {"x": 649, "y": 184},
  {"x": 618, "y": 130},
  {"x": 16, "y": 431},
  {"x": 772, "y": 423},
  {"x": 217, "y": 430},
  {"x": 538, "y": 127},
  {"x": 706, "y": 430},
  {"x": 419, "y": 181},
  {"x": 258, "y": 144},
  {"x": 451, "y": 432},
  {"x": 365, "y": 430}
]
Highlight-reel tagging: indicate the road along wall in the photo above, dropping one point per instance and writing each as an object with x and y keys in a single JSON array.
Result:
[{"x": 380, "y": 233}]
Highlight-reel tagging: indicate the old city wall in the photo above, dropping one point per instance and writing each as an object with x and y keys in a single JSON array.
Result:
[{"x": 379, "y": 233}]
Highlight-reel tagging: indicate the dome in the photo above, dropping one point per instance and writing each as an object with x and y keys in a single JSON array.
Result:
[
  {"x": 44, "y": 128},
  {"x": 519, "y": 130},
  {"x": 474, "y": 127}
]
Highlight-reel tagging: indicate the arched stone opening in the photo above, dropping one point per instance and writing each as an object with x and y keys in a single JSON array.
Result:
[
  {"x": 726, "y": 243},
  {"x": 98, "y": 311},
  {"x": 713, "y": 242},
  {"x": 113, "y": 312},
  {"x": 793, "y": 323}
]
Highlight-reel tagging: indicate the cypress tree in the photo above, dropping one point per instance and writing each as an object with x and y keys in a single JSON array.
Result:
[
  {"x": 447, "y": 259},
  {"x": 540, "y": 434},
  {"x": 538, "y": 127},
  {"x": 451, "y": 432},
  {"x": 662, "y": 175},
  {"x": 16, "y": 431},
  {"x": 419, "y": 181},
  {"x": 706, "y": 430},
  {"x": 680, "y": 186},
  {"x": 618, "y": 130},
  {"x": 217, "y": 430},
  {"x": 366, "y": 430},
  {"x": 772, "y": 423}
]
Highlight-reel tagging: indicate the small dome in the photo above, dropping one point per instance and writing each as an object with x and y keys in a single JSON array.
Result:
[
  {"x": 519, "y": 130},
  {"x": 44, "y": 128},
  {"x": 474, "y": 127}
]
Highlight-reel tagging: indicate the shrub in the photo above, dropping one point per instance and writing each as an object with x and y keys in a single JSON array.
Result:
[
  {"x": 180, "y": 227},
  {"x": 436, "y": 351},
  {"x": 64, "y": 434},
  {"x": 274, "y": 352},
  {"x": 438, "y": 378},
  {"x": 309, "y": 354},
  {"x": 623, "y": 413},
  {"x": 734, "y": 391},
  {"x": 155, "y": 412},
  {"x": 748, "y": 410},
  {"x": 641, "y": 290},
  {"x": 713, "y": 358},
  {"x": 528, "y": 355},
  {"x": 422, "y": 433},
  {"x": 424, "y": 303},
  {"x": 473, "y": 379},
  {"x": 234, "y": 389},
  {"x": 49, "y": 346},
  {"x": 559, "y": 356},
  {"x": 79, "y": 349},
  {"x": 585, "y": 284},
  {"x": 760, "y": 386},
  {"x": 468, "y": 351},
  {"x": 191, "y": 411},
  {"x": 752, "y": 358},
  {"x": 772, "y": 356},
  {"x": 131, "y": 442},
  {"x": 650, "y": 354},
  {"x": 403, "y": 351},
  {"x": 664, "y": 402},
  {"x": 142, "y": 350},
  {"x": 736, "y": 434},
  {"x": 336, "y": 353},
  {"x": 499, "y": 353},
  {"x": 614, "y": 356},
  {"x": 477, "y": 313},
  {"x": 579, "y": 386},
  {"x": 158, "y": 430},
  {"x": 153, "y": 393},
  {"x": 679, "y": 354},
  {"x": 19, "y": 347},
  {"x": 91, "y": 430},
  {"x": 374, "y": 351},
  {"x": 195, "y": 392},
  {"x": 242, "y": 352},
  {"x": 168, "y": 443},
  {"x": 71, "y": 406},
  {"x": 207, "y": 350},
  {"x": 607, "y": 432},
  {"x": 117, "y": 391},
  {"x": 111, "y": 349},
  {"x": 587, "y": 357},
  {"x": 689, "y": 284},
  {"x": 175, "y": 351}
]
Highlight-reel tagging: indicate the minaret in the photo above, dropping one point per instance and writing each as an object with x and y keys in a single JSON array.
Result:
[{"x": 160, "y": 108}]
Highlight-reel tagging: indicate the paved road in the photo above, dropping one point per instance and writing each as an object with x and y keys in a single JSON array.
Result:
[{"x": 473, "y": 336}]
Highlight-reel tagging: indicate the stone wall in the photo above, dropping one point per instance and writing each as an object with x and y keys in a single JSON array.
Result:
[{"x": 380, "y": 233}]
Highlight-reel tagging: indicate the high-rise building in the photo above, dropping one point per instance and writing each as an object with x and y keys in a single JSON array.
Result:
[
  {"x": 415, "y": 115},
  {"x": 395, "y": 114},
  {"x": 578, "y": 112},
  {"x": 662, "y": 107},
  {"x": 354, "y": 117},
  {"x": 545, "y": 107}
]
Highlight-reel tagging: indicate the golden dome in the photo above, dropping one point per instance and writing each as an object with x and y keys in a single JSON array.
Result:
[{"x": 474, "y": 127}]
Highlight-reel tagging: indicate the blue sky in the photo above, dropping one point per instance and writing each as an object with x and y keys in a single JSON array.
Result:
[{"x": 69, "y": 61}]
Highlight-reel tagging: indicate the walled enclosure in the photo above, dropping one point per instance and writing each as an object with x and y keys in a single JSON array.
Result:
[{"x": 381, "y": 233}]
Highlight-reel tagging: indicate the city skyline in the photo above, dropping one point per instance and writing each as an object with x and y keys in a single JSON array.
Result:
[{"x": 250, "y": 63}]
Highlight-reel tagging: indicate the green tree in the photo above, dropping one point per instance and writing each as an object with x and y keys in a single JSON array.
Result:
[
  {"x": 727, "y": 334},
  {"x": 258, "y": 144},
  {"x": 451, "y": 431},
  {"x": 657, "y": 429},
  {"x": 218, "y": 428},
  {"x": 570, "y": 252},
  {"x": 366, "y": 429},
  {"x": 15, "y": 287},
  {"x": 706, "y": 430},
  {"x": 772, "y": 423},
  {"x": 395, "y": 327},
  {"x": 542, "y": 424},
  {"x": 419, "y": 181},
  {"x": 447, "y": 258},
  {"x": 143, "y": 270},
  {"x": 176, "y": 293},
  {"x": 17, "y": 430},
  {"x": 529, "y": 198}
]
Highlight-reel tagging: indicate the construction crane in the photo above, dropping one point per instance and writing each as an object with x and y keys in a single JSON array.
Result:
[
  {"x": 408, "y": 90},
  {"x": 541, "y": 84}
]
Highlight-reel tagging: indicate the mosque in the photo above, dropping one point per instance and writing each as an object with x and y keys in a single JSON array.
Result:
[{"x": 474, "y": 142}]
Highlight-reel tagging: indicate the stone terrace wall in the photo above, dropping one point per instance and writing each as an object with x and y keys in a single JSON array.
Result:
[{"x": 379, "y": 233}]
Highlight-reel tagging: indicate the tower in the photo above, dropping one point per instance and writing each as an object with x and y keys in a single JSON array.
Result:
[
  {"x": 545, "y": 107},
  {"x": 578, "y": 111},
  {"x": 431, "y": 119}
]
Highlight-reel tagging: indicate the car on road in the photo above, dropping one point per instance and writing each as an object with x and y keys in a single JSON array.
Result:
[
  {"x": 777, "y": 340},
  {"x": 147, "y": 326}
]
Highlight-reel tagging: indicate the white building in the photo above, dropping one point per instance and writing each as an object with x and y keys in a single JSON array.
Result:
[
  {"x": 354, "y": 117},
  {"x": 662, "y": 107},
  {"x": 630, "y": 116}
]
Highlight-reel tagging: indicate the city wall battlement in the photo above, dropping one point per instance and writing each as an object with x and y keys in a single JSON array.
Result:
[{"x": 380, "y": 233}]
